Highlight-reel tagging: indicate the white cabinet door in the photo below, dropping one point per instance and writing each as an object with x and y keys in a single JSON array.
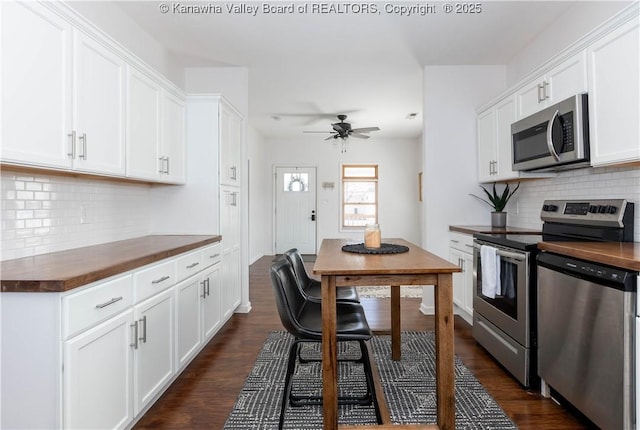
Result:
[
  {"x": 230, "y": 230},
  {"x": 230, "y": 285},
  {"x": 98, "y": 108},
  {"x": 456, "y": 257},
  {"x": 230, "y": 146},
  {"x": 211, "y": 306},
  {"x": 143, "y": 131},
  {"x": 36, "y": 85},
  {"x": 467, "y": 274},
  {"x": 614, "y": 96},
  {"x": 567, "y": 79},
  {"x": 188, "y": 320},
  {"x": 98, "y": 378},
  {"x": 172, "y": 152},
  {"x": 505, "y": 113},
  {"x": 486, "y": 145},
  {"x": 563, "y": 81},
  {"x": 154, "y": 352}
]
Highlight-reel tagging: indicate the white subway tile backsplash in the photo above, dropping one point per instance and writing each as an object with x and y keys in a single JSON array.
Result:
[
  {"x": 594, "y": 183},
  {"x": 48, "y": 213}
]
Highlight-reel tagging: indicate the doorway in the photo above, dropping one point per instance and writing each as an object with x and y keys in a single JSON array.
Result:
[{"x": 295, "y": 209}]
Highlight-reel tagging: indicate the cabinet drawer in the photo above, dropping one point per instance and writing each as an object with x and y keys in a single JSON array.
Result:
[
  {"x": 461, "y": 242},
  {"x": 189, "y": 264},
  {"x": 94, "y": 304},
  {"x": 154, "y": 279},
  {"x": 211, "y": 255}
]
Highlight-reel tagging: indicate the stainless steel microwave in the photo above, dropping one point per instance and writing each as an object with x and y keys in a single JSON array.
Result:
[{"x": 556, "y": 138}]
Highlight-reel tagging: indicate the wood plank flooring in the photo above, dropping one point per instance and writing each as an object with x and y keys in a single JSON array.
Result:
[{"x": 203, "y": 396}]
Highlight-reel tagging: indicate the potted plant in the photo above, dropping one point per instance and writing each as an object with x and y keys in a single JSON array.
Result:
[{"x": 498, "y": 203}]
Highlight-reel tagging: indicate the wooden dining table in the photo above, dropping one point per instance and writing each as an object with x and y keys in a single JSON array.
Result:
[{"x": 338, "y": 268}]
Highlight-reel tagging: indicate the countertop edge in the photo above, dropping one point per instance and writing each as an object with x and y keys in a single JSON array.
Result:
[
  {"x": 473, "y": 229},
  {"x": 64, "y": 284},
  {"x": 597, "y": 256}
]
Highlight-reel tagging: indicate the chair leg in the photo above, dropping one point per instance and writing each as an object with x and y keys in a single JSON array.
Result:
[
  {"x": 369, "y": 376},
  {"x": 291, "y": 365}
]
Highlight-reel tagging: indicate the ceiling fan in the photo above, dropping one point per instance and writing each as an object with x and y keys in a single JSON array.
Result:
[{"x": 343, "y": 130}]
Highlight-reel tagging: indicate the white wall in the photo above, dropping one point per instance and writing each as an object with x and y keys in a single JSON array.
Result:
[
  {"x": 397, "y": 187},
  {"x": 259, "y": 197},
  {"x": 231, "y": 82},
  {"x": 451, "y": 95}
]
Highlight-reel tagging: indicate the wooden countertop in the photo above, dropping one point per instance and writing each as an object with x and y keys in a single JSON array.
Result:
[
  {"x": 473, "y": 229},
  {"x": 625, "y": 255},
  {"x": 332, "y": 260},
  {"x": 65, "y": 270}
]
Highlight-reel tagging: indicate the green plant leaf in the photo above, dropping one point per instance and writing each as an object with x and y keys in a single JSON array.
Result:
[{"x": 497, "y": 202}]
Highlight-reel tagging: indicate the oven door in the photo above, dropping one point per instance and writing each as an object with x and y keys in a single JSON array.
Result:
[{"x": 509, "y": 310}]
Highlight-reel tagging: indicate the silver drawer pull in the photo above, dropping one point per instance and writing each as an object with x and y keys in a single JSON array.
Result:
[
  {"x": 214, "y": 256},
  {"x": 110, "y": 302},
  {"x": 157, "y": 281},
  {"x": 191, "y": 266}
]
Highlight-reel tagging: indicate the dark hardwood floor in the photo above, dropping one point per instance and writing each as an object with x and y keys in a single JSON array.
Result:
[{"x": 203, "y": 396}]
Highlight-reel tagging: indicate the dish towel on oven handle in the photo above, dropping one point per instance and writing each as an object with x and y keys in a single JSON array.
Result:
[{"x": 490, "y": 271}]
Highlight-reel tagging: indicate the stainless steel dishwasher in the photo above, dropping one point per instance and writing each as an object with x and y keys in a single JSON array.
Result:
[{"x": 586, "y": 331}]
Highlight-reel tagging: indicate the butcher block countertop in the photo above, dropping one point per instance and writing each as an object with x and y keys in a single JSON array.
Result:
[
  {"x": 473, "y": 229},
  {"x": 65, "y": 270},
  {"x": 625, "y": 255}
]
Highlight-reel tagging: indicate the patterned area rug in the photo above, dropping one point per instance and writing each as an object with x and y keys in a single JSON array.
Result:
[
  {"x": 384, "y": 292},
  {"x": 409, "y": 387}
]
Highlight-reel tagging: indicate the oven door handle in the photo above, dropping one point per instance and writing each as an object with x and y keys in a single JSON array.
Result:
[{"x": 507, "y": 254}]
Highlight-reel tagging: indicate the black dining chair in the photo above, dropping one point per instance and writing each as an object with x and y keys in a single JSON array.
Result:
[
  {"x": 311, "y": 287},
  {"x": 302, "y": 318}
]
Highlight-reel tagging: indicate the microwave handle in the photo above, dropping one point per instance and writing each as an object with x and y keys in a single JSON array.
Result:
[{"x": 552, "y": 150}]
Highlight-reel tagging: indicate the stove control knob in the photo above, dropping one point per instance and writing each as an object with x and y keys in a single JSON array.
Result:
[
  {"x": 602, "y": 209},
  {"x": 552, "y": 208},
  {"x": 593, "y": 209},
  {"x": 611, "y": 209}
]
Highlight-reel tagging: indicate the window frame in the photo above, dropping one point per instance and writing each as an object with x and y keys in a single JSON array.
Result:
[{"x": 345, "y": 179}]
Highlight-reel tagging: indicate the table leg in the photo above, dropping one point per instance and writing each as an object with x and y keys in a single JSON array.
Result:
[
  {"x": 329, "y": 354},
  {"x": 395, "y": 323},
  {"x": 444, "y": 353}
]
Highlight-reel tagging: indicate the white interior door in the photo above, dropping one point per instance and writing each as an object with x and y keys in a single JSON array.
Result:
[{"x": 295, "y": 209}]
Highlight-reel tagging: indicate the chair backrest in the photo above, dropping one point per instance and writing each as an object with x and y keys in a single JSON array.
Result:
[
  {"x": 289, "y": 299},
  {"x": 295, "y": 258}
]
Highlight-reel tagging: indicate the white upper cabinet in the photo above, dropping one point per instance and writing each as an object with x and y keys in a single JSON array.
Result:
[
  {"x": 36, "y": 85},
  {"x": 143, "y": 126},
  {"x": 566, "y": 79},
  {"x": 172, "y": 139},
  {"x": 230, "y": 146},
  {"x": 494, "y": 142},
  {"x": 614, "y": 96},
  {"x": 98, "y": 108},
  {"x": 65, "y": 98},
  {"x": 155, "y": 131}
]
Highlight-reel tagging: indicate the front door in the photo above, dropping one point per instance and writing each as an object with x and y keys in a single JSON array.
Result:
[{"x": 295, "y": 209}]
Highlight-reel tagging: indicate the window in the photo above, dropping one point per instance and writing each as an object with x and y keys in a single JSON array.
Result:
[{"x": 359, "y": 195}]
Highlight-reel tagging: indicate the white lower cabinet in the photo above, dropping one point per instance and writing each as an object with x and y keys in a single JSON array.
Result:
[
  {"x": 199, "y": 313},
  {"x": 98, "y": 383},
  {"x": 99, "y": 356},
  {"x": 461, "y": 253},
  {"x": 153, "y": 348}
]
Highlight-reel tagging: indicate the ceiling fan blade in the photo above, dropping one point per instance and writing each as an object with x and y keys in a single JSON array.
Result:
[
  {"x": 334, "y": 136},
  {"x": 365, "y": 129},
  {"x": 359, "y": 136},
  {"x": 337, "y": 127},
  {"x": 309, "y": 131}
]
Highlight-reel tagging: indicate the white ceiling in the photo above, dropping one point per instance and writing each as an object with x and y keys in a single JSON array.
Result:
[{"x": 368, "y": 66}]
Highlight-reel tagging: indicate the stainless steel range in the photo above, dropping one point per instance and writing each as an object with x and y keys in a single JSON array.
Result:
[{"x": 506, "y": 320}]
